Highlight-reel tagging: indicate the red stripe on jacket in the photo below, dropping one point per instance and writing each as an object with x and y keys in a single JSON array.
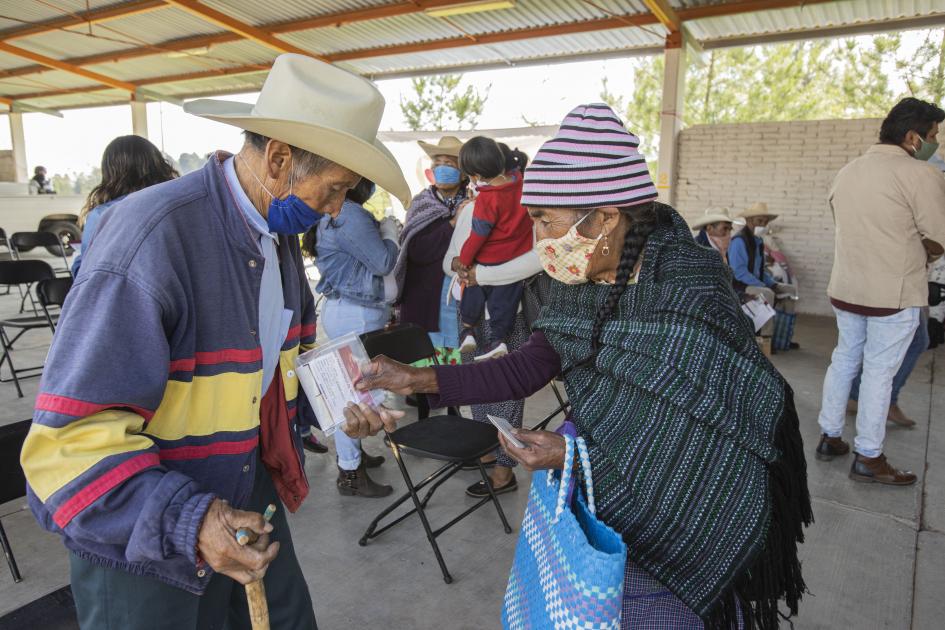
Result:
[
  {"x": 81, "y": 409},
  {"x": 206, "y": 450},
  {"x": 231, "y": 355},
  {"x": 91, "y": 492}
]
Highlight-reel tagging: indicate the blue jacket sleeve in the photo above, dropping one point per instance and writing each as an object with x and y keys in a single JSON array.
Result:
[
  {"x": 359, "y": 234},
  {"x": 92, "y": 471},
  {"x": 738, "y": 261}
]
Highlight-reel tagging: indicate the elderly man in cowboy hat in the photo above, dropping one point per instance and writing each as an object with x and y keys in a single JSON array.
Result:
[
  {"x": 169, "y": 414},
  {"x": 715, "y": 230}
]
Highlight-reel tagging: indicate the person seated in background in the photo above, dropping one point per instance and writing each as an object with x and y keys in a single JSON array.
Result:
[
  {"x": 39, "y": 185},
  {"x": 746, "y": 257},
  {"x": 129, "y": 164},
  {"x": 355, "y": 256},
  {"x": 501, "y": 231},
  {"x": 715, "y": 230}
]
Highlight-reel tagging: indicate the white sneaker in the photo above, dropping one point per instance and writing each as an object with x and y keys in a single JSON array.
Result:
[
  {"x": 469, "y": 345},
  {"x": 499, "y": 351}
]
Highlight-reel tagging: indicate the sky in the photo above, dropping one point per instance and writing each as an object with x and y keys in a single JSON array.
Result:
[{"x": 540, "y": 94}]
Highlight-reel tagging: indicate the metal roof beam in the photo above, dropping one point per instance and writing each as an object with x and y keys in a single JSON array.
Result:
[
  {"x": 57, "y": 64},
  {"x": 250, "y": 32},
  {"x": 92, "y": 16}
]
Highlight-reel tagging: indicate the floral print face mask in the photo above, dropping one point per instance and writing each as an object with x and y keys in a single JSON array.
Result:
[{"x": 567, "y": 258}]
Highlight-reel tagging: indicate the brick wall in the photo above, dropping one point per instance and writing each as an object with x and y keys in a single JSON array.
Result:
[{"x": 790, "y": 166}]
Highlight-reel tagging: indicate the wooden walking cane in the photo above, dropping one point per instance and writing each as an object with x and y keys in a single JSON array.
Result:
[{"x": 256, "y": 591}]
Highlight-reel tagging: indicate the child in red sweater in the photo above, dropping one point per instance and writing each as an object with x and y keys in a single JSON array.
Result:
[{"x": 501, "y": 231}]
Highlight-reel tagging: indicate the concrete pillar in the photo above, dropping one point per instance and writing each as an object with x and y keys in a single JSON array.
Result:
[
  {"x": 139, "y": 118},
  {"x": 674, "y": 95},
  {"x": 18, "y": 139}
]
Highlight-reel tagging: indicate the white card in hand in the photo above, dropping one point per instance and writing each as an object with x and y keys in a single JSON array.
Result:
[{"x": 506, "y": 429}]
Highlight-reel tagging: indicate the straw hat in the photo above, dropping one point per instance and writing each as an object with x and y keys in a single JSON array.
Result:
[
  {"x": 320, "y": 108},
  {"x": 760, "y": 209},
  {"x": 447, "y": 145},
  {"x": 712, "y": 215}
]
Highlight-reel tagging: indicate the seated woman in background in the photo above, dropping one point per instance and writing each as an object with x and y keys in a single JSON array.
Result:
[
  {"x": 355, "y": 254},
  {"x": 129, "y": 164},
  {"x": 693, "y": 436}
]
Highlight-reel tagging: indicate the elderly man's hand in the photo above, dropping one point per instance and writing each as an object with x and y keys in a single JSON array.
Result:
[
  {"x": 217, "y": 545},
  {"x": 363, "y": 421},
  {"x": 543, "y": 450},
  {"x": 385, "y": 373}
]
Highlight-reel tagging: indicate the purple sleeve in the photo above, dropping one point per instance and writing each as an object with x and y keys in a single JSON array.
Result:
[{"x": 517, "y": 375}]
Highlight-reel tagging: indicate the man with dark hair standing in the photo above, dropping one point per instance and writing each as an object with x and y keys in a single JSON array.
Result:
[
  {"x": 885, "y": 203},
  {"x": 39, "y": 184}
]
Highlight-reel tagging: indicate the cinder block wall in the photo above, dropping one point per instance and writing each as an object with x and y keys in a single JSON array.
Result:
[{"x": 790, "y": 166}]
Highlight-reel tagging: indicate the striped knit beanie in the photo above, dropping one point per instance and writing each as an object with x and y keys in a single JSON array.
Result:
[{"x": 592, "y": 162}]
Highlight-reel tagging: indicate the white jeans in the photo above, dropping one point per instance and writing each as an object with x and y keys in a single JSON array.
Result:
[{"x": 878, "y": 344}]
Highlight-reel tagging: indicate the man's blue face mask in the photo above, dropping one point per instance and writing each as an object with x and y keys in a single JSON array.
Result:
[
  {"x": 290, "y": 215},
  {"x": 446, "y": 174}
]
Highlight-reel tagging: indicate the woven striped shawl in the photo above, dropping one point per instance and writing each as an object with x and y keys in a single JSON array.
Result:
[{"x": 693, "y": 435}]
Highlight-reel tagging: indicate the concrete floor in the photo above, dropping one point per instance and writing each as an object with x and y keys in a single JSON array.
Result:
[{"x": 873, "y": 559}]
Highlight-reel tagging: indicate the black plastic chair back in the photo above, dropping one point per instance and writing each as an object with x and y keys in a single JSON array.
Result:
[
  {"x": 3, "y": 238},
  {"x": 405, "y": 343},
  {"x": 27, "y": 240},
  {"x": 24, "y": 271},
  {"x": 12, "y": 480},
  {"x": 53, "y": 292}
]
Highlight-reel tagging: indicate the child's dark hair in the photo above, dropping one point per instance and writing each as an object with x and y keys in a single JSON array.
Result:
[
  {"x": 361, "y": 192},
  {"x": 481, "y": 156},
  {"x": 515, "y": 160}
]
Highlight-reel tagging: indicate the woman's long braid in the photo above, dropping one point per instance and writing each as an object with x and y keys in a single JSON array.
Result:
[{"x": 643, "y": 221}]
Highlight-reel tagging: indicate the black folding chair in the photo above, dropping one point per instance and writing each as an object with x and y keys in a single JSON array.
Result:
[
  {"x": 448, "y": 438},
  {"x": 23, "y": 241},
  {"x": 17, "y": 272},
  {"x": 12, "y": 479}
]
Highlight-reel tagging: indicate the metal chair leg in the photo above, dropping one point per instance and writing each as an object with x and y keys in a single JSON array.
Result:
[
  {"x": 495, "y": 499},
  {"x": 8, "y": 552},
  {"x": 8, "y": 357}
]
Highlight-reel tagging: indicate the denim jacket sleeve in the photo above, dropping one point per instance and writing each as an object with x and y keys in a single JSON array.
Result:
[{"x": 357, "y": 231}]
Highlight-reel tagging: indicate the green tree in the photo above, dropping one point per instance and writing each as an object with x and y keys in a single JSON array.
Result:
[
  {"x": 437, "y": 103},
  {"x": 924, "y": 72}
]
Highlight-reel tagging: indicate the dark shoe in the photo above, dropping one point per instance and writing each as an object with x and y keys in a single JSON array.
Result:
[
  {"x": 371, "y": 461},
  {"x": 474, "y": 466},
  {"x": 357, "y": 483},
  {"x": 878, "y": 470},
  {"x": 311, "y": 444},
  {"x": 479, "y": 490},
  {"x": 897, "y": 416},
  {"x": 831, "y": 447},
  {"x": 793, "y": 345}
]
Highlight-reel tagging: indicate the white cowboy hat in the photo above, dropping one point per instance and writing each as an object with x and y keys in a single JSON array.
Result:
[
  {"x": 759, "y": 209},
  {"x": 447, "y": 145},
  {"x": 712, "y": 215},
  {"x": 320, "y": 108}
]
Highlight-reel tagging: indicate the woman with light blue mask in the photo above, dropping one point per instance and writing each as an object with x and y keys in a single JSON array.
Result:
[
  {"x": 355, "y": 255},
  {"x": 423, "y": 288}
]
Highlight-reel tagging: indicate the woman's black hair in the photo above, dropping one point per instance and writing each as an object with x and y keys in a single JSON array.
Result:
[
  {"x": 515, "y": 160},
  {"x": 481, "y": 156},
  {"x": 361, "y": 192},
  {"x": 643, "y": 220},
  {"x": 309, "y": 242},
  {"x": 129, "y": 164},
  {"x": 909, "y": 114}
]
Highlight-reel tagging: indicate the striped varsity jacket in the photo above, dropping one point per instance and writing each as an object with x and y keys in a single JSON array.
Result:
[{"x": 150, "y": 401}]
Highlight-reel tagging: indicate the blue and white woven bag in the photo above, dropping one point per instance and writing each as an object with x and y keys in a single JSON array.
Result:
[{"x": 569, "y": 566}]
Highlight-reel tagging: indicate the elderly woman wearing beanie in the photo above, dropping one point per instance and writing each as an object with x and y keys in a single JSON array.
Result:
[{"x": 693, "y": 437}]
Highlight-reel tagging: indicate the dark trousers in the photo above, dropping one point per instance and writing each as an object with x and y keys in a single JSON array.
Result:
[
  {"x": 112, "y": 598},
  {"x": 502, "y": 300}
]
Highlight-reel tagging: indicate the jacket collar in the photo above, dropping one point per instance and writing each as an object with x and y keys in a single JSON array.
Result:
[{"x": 889, "y": 149}]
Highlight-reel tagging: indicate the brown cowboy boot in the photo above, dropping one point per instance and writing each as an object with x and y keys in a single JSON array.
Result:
[
  {"x": 878, "y": 470},
  {"x": 830, "y": 447}
]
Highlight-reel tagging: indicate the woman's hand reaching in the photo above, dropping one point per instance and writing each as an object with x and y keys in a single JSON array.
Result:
[
  {"x": 543, "y": 450},
  {"x": 385, "y": 373}
]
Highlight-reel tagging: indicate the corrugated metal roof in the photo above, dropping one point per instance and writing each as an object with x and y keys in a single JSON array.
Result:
[{"x": 152, "y": 28}]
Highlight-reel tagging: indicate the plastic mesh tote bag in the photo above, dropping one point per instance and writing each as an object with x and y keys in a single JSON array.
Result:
[
  {"x": 783, "y": 330},
  {"x": 569, "y": 566}
]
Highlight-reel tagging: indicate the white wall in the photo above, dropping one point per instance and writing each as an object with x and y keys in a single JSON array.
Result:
[{"x": 790, "y": 166}]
